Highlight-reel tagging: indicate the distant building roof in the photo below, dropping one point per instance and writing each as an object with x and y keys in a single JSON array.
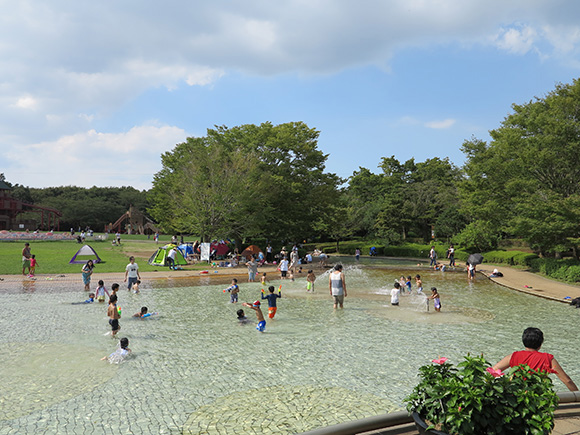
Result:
[{"x": 4, "y": 186}]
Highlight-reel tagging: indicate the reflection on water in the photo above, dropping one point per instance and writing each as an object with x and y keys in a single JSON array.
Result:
[{"x": 195, "y": 368}]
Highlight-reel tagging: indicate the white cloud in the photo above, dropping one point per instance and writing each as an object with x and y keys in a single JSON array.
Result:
[
  {"x": 564, "y": 39},
  {"x": 26, "y": 103},
  {"x": 204, "y": 76},
  {"x": 447, "y": 123},
  {"x": 70, "y": 67},
  {"x": 514, "y": 40},
  {"x": 94, "y": 158}
]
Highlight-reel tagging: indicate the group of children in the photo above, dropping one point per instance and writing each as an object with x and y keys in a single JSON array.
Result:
[
  {"x": 234, "y": 291},
  {"x": 405, "y": 283},
  {"x": 114, "y": 312}
]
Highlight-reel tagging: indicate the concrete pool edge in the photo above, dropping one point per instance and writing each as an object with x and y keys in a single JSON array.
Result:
[{"x": 401, "y": 422}]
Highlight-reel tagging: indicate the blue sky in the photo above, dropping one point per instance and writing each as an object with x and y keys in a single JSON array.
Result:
[{"x": 94, "y": 93}]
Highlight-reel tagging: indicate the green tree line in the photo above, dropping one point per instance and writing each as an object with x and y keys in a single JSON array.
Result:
[{"x": 94, "y": 207}]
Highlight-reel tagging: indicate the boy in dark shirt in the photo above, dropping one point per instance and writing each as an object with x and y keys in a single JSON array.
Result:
[{"x": 272, "y": 300}]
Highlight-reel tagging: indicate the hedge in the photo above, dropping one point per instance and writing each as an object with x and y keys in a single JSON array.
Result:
[{"x": 513, "y": 258}]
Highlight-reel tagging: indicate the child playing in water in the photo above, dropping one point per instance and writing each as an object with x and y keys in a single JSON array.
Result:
[
  {"x": 272, "y": 300},
  {"x": 144, "y": 313},
  {"x": 135, "y": 286},
  {"x": 120, "y": 354},
  {"x": 402, "y": 282},
  {"x": 33, "y": 264},
  {"x": 242, "y": 319},
  {"x": 395, "y": 292},
  {"x": 264, "y": 279},
  {"x": 419, "y": 284},
  {"x": 90, "y": 300},
  {"x": 261, "y": 321},
  {"x": 114, "y": 315},
  {"x": 408, "y": 284},
  {"x": 114, "y": 289},
  {"x": 101, "y": 290},
  {"x": 436, "y": 299},
  {"x": 233, "y": 290},
  {"x": 310, "y": 278}
]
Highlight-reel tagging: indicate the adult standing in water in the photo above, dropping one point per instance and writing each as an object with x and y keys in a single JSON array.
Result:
[
  {"x": 337, "y": 285},
  {"x": 26, "y": 258},
  {"x": 87, "y": 271}
]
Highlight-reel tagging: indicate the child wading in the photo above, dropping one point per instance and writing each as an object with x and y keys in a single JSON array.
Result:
[
  {"x": 310, "y": 278},
  {"x": 272, "y": 300},
  {"x": 261, "y": 321},
  {"x": 114, "y": 315},
  {"x": 436, "y": 298},
  {"x": 120, "y": 354},
  {"x": 233, "y": 290},
  {"x": 101, "y": 290},
  {"x": 242, "y": 319}
]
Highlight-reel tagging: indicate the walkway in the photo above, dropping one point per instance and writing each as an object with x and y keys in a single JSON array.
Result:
[{"x": 531, "y": 283}]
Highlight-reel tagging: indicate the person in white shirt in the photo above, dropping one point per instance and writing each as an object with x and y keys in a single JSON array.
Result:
[
  {"x": 283, "y": 268},
  {"x": 171, "y": 258},
  {"x": 395, "y": 292},
  {"x": 337, "y": 285},
  {"x": 132, "y": 273}
]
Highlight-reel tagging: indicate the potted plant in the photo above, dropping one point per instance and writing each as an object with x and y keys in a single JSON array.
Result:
[{"x": 473, "y": 399}]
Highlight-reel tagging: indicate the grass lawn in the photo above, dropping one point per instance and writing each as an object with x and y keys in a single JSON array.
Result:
[{"x": 53, "y": 256}]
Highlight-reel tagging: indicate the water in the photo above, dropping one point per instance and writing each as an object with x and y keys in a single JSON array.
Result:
[{"x": 195, "y": 370}]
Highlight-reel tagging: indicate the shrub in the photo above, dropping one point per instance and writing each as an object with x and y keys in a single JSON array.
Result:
[
  {"x": 573, "y": 273},
  {"x": 474, "y": 399}
]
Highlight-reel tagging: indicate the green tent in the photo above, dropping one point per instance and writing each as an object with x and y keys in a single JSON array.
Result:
[{"x": 160, "y": 256}]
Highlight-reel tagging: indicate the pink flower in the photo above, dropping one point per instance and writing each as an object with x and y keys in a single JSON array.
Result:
[
  {"x": 495, "y": 373},
  {"x": 440, "y": 360}
]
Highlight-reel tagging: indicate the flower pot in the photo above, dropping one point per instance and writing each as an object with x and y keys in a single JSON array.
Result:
[{"x": 422, "y": 426}]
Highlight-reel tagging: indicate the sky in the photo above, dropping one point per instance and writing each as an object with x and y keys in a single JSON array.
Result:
[{"x": 93, "y": 93}]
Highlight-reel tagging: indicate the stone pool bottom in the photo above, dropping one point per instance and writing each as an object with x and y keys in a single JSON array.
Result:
[{"x": 196, "y": 371}]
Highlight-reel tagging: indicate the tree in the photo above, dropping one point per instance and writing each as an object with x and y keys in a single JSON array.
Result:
[
  {"x": 94, "y": 207},
  {"x": 416, "y": 195},
  {"x": 363, "y": 198},
  {"x": 246, "y": 181},
  {"x": 207, "y": 190},
  {"x": 526, "y": 181}
]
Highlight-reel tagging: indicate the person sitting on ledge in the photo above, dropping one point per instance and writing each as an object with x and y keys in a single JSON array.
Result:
[{"x": 536, "y": 360}]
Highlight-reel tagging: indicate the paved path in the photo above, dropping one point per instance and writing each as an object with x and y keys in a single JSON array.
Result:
[{"x": 531, "y": 283}]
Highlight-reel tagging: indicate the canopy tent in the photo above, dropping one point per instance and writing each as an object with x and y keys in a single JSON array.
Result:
[
  {"x": 88, "y": 253},
  {"x": 160, "y": 256},
  {"x": 220, "y": 248},
  {"x": 251, "y": 250},
  {"x": 185, "y": 249}
]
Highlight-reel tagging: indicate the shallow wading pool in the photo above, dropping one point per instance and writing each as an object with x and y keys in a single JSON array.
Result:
[{"x": 195, "y": 370}]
